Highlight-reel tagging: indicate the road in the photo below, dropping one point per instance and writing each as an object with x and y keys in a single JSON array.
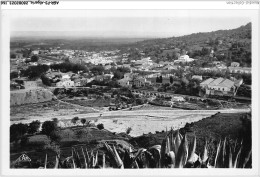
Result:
[{"x": 127, "y": 114}]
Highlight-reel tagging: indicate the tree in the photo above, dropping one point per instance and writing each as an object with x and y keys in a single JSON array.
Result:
[
  {"x": 35, "y": 71},
  {"x": 34, "y": 126},
  {"x": 161, "y": 79},
  {"x": 17, "y": 131},
  {"x": 97, "y": 70},
  {"x": 83, "y": 121},
  {"x": 171, "y": 79},
  {"x": 118, "y": 75},
  {"x": 55, "y": 120},
  {"x": 48, "y": 127},
  {"x": 157, "y": 79},
  {"x": 100, "y": 126},
  {"x": 205, "y": 51},
  {"x": 34, "y": 58},
  {"x": 75, "y": 120},
  {"x": 45, "y": 80}
]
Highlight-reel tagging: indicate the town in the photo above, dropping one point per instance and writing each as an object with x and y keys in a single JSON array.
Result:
[
  {"x": 69, "y": 94},
  {"x": 63, "y": 68}
]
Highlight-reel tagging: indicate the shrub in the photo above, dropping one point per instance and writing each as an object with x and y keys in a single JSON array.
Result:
[
  {"x": 17, "y": 131},
  {"x": 34, "y": 58},
  {"x": 128, "y": 130},
  {"x": 100, "y": 126},
  {"x": 48, "y": 127},
  {"x": 34, "y": 126},
  {"x": 55, "y": 120},
  {"x": 83, "y": 121},
  {"x": 55, "y": 136},
  {"x": 75, "y": 120}
]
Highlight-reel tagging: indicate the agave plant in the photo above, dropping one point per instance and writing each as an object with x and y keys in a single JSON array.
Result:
[{"x": 174, "y": 152}]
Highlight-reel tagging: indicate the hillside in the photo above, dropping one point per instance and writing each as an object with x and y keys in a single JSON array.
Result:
[
  {"x": 228, "y": 46},
  {"x": 241, "y": 34}
]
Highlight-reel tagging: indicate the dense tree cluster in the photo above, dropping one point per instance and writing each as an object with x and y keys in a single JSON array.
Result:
[
  {"x": 34, "y": 72},
  {"x": 97, "y": 70},
  {"x": 68, "y": 66},
  {"x": 34, "y": 126}
]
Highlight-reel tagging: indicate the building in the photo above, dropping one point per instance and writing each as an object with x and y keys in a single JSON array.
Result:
[
  {"x": 125, "y": 83},
  {"x": 219, "y": 86},
  {"x": 177, "y": 99},
  {"x": 65, "y": 77},
  {"x": 197, "y": 77},
  {"x": 205, "y": 83},
  {"x": 239, "y": 70},
  {"x": 65, "y": 83},
  {"x": 234, "y": 64},
  {"x": 77, "y": 83},
  {"x": 141, "y": 82},
  {"x": 35, "y": 52},
  {"x": 130, "y": 76},
  {"x": 184, "y": 59}
]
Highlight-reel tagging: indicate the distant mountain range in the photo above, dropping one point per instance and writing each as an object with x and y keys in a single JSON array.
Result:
[{"x": 221, "y": 39}]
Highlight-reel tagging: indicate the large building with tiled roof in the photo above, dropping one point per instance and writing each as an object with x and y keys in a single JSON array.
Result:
[{"x": 219, "y": 86}]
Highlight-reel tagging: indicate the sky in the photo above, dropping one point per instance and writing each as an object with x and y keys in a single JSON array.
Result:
[{"x": 122, "y": 25}]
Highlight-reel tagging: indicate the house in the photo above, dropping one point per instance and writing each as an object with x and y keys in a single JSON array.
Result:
[
  {"x": 196, "y": 77},
  {"x": 108, "y": 76},
  {"x": 35, "y": 52},
  {"x": 130, "y": 76},
  {"x": 140, "y": 82},
  {"x": 65, "y": 77},
  {"x": 234, "y": 64},
  {"x": 77, "y": 83},
  {"x": 107, "y": 67},
  {"x": 65, "y": 83},
  {"x": 125, "y": 83}
]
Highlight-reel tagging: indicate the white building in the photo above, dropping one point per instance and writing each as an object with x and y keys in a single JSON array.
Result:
[
  {"x": 184, "y": 59},
  {"x": 65, "y": 83}
]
